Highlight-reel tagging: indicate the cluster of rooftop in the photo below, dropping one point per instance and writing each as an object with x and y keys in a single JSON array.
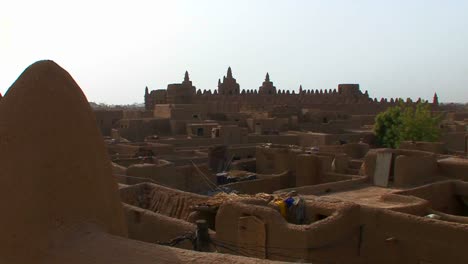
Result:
[{"x": 235, "y": 177}]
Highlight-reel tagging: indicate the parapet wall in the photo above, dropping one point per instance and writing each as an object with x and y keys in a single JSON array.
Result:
[
  {"x": 160, "y": 199},
  {"x": 393, "y": 237},
  {"x": 434, "y": 147},
  {"x": 329, "y": 187},
  {"x": 408, "y": 167},
  {"x": 333, "y": 239},
  {"x": 151, "y": 227},
  {"x": 442, "y": 196},
  {"x": 264, "y": 184},
  {"x": 456, "y": 168}
]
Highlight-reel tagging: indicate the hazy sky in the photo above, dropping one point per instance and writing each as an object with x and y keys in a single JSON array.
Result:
[{"x": 114, "y": 49}]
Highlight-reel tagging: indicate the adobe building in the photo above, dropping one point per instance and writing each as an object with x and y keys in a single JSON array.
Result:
[
  {"x": 326, "y": 110},
  {"x": 267, "y": 86},
  {"x": 107, "y": 120},
  {"x": 270, "y": 115},
  {"x": 229, "y": 86},
  {"x": 181, "y": 115},
  {"x": 229, "y": 91},
  {"x": 181, "y": 93}
]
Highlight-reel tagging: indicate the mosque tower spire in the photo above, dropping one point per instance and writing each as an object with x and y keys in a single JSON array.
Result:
[
  {"x": 435, "y": 100},
  {"x": 186, "y": 77}
]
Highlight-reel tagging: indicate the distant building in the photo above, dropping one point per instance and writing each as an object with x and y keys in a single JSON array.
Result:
[{"x": 228, "y": 98}]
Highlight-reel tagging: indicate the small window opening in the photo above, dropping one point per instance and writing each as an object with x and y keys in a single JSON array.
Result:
[{"x": 200, "y": 131}]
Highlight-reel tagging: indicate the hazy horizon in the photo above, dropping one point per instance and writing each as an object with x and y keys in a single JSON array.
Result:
[{"x": 114, "y": 49}]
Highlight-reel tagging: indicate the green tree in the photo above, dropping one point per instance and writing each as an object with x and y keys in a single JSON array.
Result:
[
  {"x": 387, "y": 127},
  {"x": 405, "y": 122}
]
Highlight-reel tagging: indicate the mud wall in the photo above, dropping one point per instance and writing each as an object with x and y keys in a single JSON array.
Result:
[
  {"x": 193, "y": 180},
  {"x": 274, "y": 139},
  {"x": 242, "y": 152},
  {"x": 434, "y": 147},
  {"x": 456, "y": 168},
  {"x": 151, "y": 227},
  {"x": 265, "y": 184},
  {"x": 356, "y": 150},
  {"x": 455, "y": 141},
  {"x": 107, "y": 119},
  {"x": 392, "y": 237},
  {"x": 163, "y": 173},
  {"x": 414, "y": 170},
  {"x": 162, "y": 111},
  {"x": 312, "y": 139},
  {"x": 272, "y": 160},
  {"x": 441, "y": 196},
  {"x": 137, "y": 129},
  {"x": 167, "y": 201},
  {"x": 185, "y": 178},
  {"x": 352, "y": 181},
  {"x": 333, "y": 239},
  {"x": 193, "y": 142},
  {"x": 308, "y": 170},
  {"x": 368, "y": 166},
  {"x": 245, "y": 165},
  {"x": 123, "y": 150}
]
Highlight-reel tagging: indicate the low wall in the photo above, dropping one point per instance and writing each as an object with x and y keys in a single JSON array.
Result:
[
  {"x": 191, "y": 142},
  {"x": 441, "y": 196},
  {"x": 265, "y": 184},
  {"x": 151, "y": 227},
  {"x": 124, "y": 150},
  {"x": 245, "y": 165},
  {"x": 274, "y": 139},
  {"x": 331, "y": 240},
  {"x": 434, "y": 147},
  {"x": 194, "y": 181},
  {"x": 393, "y": 237},
  {"x": 186, "y": 178},
  {"x": 170, "y": 202},
  {"x": 456, "y": 168},
  {"x": 356, "y": 150},
  {"x": 242, "y": 152},
  {"x": 323, "y": 188},
  {"x": 368, "y": 167},
  {"x": 164, "y": 173}
]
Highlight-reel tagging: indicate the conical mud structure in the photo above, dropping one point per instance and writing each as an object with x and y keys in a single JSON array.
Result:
[
  {"x": 59, "y": 201},
  {"x": 54, "y": 167}
]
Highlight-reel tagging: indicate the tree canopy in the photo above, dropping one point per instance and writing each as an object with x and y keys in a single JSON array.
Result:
[{"x": 406, "y": 122}]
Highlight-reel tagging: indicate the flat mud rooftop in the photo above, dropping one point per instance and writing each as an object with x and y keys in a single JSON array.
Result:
[{"x": 367, "y": 195}]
